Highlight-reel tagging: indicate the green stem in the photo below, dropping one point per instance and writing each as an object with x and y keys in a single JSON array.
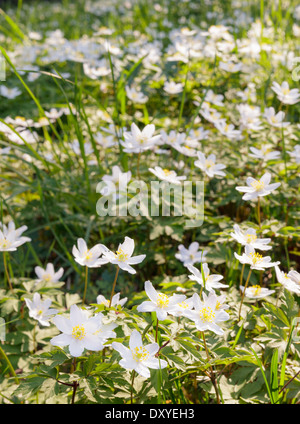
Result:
[
  {"x": 243, "y": 295},
  {"x": 6, "y": 271},
  {"x": 156, "y": 332},
  {"x": 9, "y": 365},
  {"x": 114, "y": 285},
  {"x": 212, "y": 375},
  {"x": 85, "y": 284},
  {"x": 131, "y": 392}
]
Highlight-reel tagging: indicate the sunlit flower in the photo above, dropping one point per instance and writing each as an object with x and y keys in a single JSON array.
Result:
[
  {"x": 172, "y": 87},
  {"x": 209, "y": 166},
  {"x": 123, "y": 257},
  {"x": 211, "y": 281},
  {"x": 276, "y": 120},
  {"x": 296, "y": 153},
  {"x": 167, "y": 175},
  {"x": 138, "y": 141},
  {"x": 89, "y": 257},
  {"x": 39, "y": 309},
  {"x": 79, "y": 332},
  {"x": 136, "y": 96},
  {"x": 139, "y": 357},
  {"x": 256, "y": 292},
  {"x": 284, "y": 94},
  {"x": 206, "y": 315},
  {"x": 290, "y": 281},
  {"x": 10, "y": 237},
  {"x": 115, "y": 301},
  {"x": 249, "y": 237},
  {"x": 48, "y": 275},
  {"x": 160, "y": 302},
  {"x": 254, "y": 259},
  {"x": 265, "y": 153},
  {"x": 258, "y": 188},
  {"x": 191, "y": 255}
]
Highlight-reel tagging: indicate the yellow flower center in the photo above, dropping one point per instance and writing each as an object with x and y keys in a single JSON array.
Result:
[
  {"x": 40, "y": 312},
  {"x": 258, "y": 185},
  {"x": 167, "y": 172},
  {"x": 251, "y": 238},
  {"x": 47, "y": 277},
  {"x": 121, "y": 256},
  {"x": 285, "y": 91},
  {"x": 78, "y": 332},
  {"x": 140, "y": 353},
  {"x": 162, "y": 301},
  {"x": 207, "y": 314},
  {"x": 209, "y": 163},
  {"x": 5, "y": 244},
  {"x": 256, "y": 258},
  {"x": 255, "y": 290},
  {"x": 183, "y": 305},
  {"x": 88, "y": 255},
  {"x": 218, "y": 306}
]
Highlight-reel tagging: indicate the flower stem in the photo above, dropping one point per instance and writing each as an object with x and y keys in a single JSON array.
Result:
[
  {"x": 85, "y": 284},
  {"x": 212, "y": 375},
  {"x": 243, "y": 295},
  {"x": 131, "y": 392},
  {"x": 9, "y": 365},
  {"x": 258, "y": 213},
  {"x": 242, "y": 274},
  {"x": 156, "y": 332},
  {"x": 6, "y": 271},
  {"x": 138, "y": 166},
  {"x": 114, "y": 285}
]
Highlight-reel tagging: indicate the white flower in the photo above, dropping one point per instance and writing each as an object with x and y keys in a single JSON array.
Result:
[
  {"x": 191, "y": 255},
  {"x": 265, "y": 153},
  {"x": 9, "y": 93},
  {"x": 209, "y": 165},
  {"x": 255, "y": 260},
  {"x": 138, "y": 141},
  {"x": 230, "y": 66},
  {"x": 123, "y": 257},
  {"x": 206, "y": 315},
  {"x": 172, "y": 87},
  {"x": 183, "y": 306},
  {"x": 284, "y": 94},
  {"x": 290, "y": 281},
  {"x": 79, "y": 332},
  {"x": 10, "y": 238},
  {"x": 39, "y": 309},
  {"x": 118, "y": 179},
  {"x": 89, "y": 257},
  {"x": 256, "y": 292},
  {"x": 276, "y": 120},
  {"x": 115, "y": 301},
  {"x": 249, "y": 237},
  {"x": 296, "y": 153},
  {"x": 167, "y": 175},
  {"x": 138, "y": 357},
  {"x": 136, "y": 96},
  {"x": 215, "y": 99},
  {"x": 48, "y": 275},
  {"x": 160, "y": 302},
  {"x": 257, "y": 188},
  {"x": 87, "y": 146},
  {"x": 210, "y": 281},
  {"x": 227, "y": 129}
]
